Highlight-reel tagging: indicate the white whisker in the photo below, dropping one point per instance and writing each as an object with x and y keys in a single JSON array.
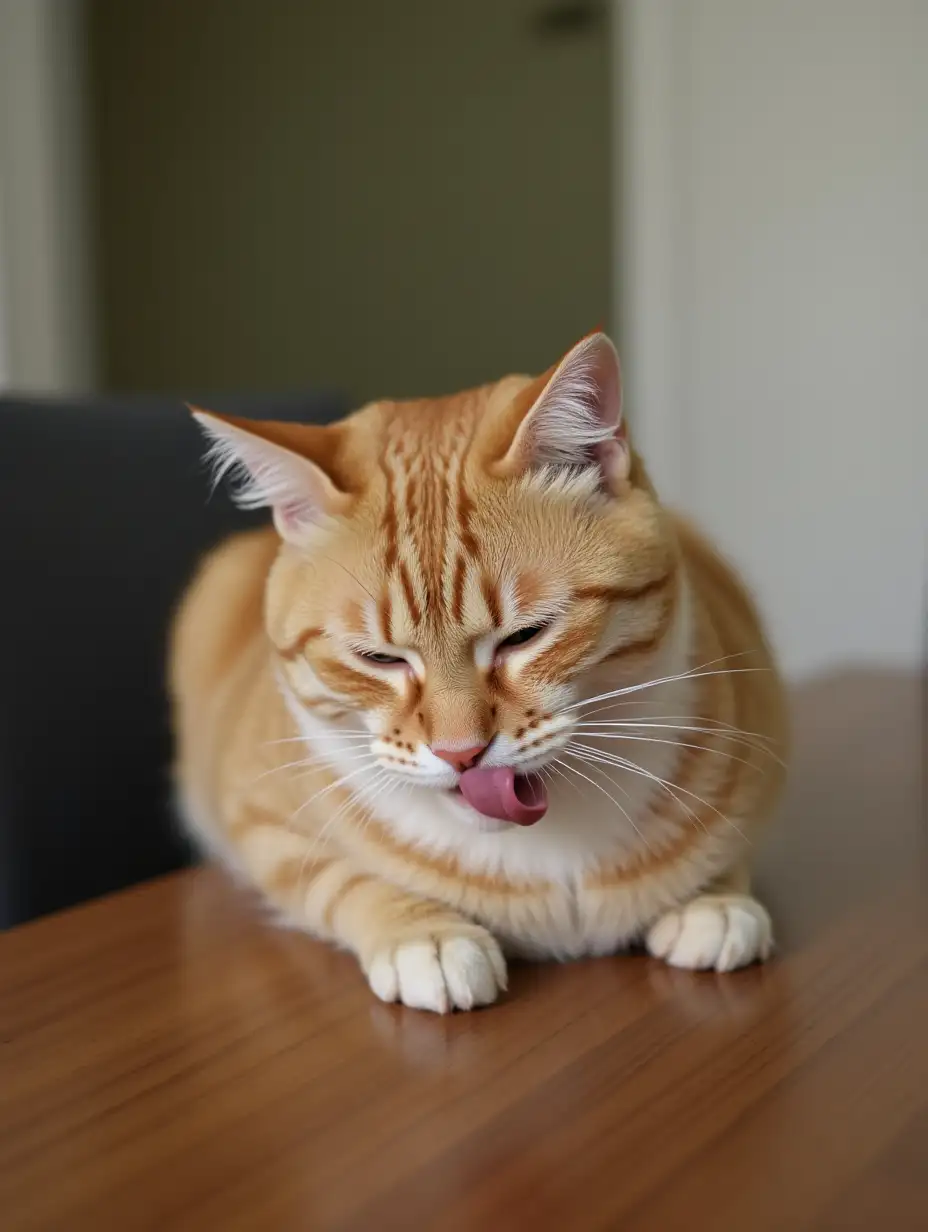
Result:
[
  {"x": 592, "y": 756},
  {"x": 680, "y": 744},
  {"x": 623, "y": 811},
  {"x": 753, "y": 740},
  {"x": 309, "y": 763},
  {"x": 651, "y": 684},
  {"x": 634, "y": 768},
  {"x": 331, "y": 787},
  {"x": 695, "y": 673},
  {"x": 644, "y": 719},
  {"x": 351, "y": 802},
  {"x": 335, "y": 735}
]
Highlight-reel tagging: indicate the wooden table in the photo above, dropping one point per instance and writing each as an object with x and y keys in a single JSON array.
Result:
[{"x": 167, "y": 1060}]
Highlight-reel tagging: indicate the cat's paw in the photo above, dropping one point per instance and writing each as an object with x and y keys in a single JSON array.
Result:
[
  {"x": 719, "y": 932},
  {"x": 441, "y": 972}
]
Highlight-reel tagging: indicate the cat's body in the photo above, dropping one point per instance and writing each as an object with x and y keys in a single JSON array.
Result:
[{"x": 431, "y": 532}]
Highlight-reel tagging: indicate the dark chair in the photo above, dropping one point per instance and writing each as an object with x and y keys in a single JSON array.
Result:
[{"x": 105, "y": 510}]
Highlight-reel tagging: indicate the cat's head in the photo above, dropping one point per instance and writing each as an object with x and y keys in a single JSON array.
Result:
[{"x": 455, "y": 572}]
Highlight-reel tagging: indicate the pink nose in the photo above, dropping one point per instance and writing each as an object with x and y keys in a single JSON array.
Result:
[{"x": 460, "y": 759}]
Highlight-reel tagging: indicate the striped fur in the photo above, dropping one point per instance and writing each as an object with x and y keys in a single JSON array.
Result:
[{"x": 436, "y": 530}]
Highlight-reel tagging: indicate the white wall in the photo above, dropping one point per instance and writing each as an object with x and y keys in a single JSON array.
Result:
[
  {"x": 775, "y": 299},
  {"x": 46, "y": 301}
]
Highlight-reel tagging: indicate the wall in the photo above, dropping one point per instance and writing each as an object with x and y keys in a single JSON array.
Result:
[
  {"x": 392, "y": 199},
  {"x": 775, "y": 294},
  {"x": 47, "y": 333}
]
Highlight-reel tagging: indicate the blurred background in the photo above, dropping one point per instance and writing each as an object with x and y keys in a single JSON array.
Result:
[{"x": 269, "y": 196}]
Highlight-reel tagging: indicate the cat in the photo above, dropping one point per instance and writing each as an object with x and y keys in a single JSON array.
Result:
[{"x": 476, "y": 693}]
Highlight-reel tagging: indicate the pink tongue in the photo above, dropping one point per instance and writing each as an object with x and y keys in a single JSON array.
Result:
[{"x": 498, "y": 791}]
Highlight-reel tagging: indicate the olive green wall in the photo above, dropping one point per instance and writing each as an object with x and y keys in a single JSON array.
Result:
[{"x": 390, "y": 198}]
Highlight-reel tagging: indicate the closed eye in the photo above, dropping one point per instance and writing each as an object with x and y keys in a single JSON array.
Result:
[
  {"x": 522, "y": 637},
  {"x": 380, "y": 659}
]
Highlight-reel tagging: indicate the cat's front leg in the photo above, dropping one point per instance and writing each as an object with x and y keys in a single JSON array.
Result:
[
  {"x": 439, "y": 962},
  {"x": 714, "y": 932},
  {"x": 720, "y": 930},
  {"x": 412, "y": 949}
]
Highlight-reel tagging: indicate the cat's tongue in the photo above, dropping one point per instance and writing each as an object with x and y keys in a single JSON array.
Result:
[{"x": 497, "y": 791}]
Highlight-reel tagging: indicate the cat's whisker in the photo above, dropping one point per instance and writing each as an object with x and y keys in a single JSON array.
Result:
[
  {"x": 308, "y": 763},
  {"x": 696, "y": 722},
  {"x": 672, "y": 788},
  {"x": 634, "y": 731},
  {"x": 646, "y": 718},
  {"x": 319, "y": 795},
  {"x": 327, "y": 762},
  {"x": 695, "y": 673},
  {"x": 560, "y": 766},
  {"x": 350, "y": 803},
  {"x": 352, "y": 734},
  {"x": 680, "y": 744},
  {"x": 652, "y": 684},
  {"x": 622, "y": 810},
  {"x": 634, "y": 768},
  {"x": 721, "y": 733},
  {"x": 638, "y": 702},
  {"x": 752, "y": 740}
]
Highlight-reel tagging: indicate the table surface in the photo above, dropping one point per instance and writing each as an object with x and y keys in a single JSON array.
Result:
[{"x": 169, "y": 1060}]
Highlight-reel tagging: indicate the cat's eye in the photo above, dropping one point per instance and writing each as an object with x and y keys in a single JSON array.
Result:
[
  {"x": 522, "y": 636},
  {"x": 382, "y": 660}
]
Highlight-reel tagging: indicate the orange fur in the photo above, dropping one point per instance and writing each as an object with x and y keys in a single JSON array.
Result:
[{"x": 418, "y": 541}]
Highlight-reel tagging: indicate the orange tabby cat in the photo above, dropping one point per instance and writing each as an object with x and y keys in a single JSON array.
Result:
[{"x": 478, "y": 692}]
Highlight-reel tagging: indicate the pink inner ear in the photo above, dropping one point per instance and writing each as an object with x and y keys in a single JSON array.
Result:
[{"x": 292, "y": 514}]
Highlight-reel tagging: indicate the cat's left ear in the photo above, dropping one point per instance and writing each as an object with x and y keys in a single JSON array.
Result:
[
  {"x": 571, "y": 416},
  {"x": 292, "y": 469}
]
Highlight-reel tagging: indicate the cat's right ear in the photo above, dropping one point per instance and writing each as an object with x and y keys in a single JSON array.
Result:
[
  {"x": 570, "y": 417},
  {"x": 285, "y": 467}
]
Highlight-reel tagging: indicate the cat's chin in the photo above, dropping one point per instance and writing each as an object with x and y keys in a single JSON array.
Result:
[{"x": 469, "y": 817}]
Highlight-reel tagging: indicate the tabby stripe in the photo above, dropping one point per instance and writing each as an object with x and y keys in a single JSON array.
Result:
[
  {"x": 349, "y": 884},
  {"x": 444, "y": 498},
  {"x": 415, "y": 691},
  {"x": 644, "y": 644},
  {"x": 616, "y": 594},
  {"x": 344, "y": 681},
  {"x": 445, "y": 866},
  {"x": 496, "y": 683},
  {"x": 411, "y": 602},
  {"x": 321, "y": 703},
  {"x": 385, "y": 614},
  {"x": 457, "y": 595},
  {"x": 693, "y": 833},
  {"x": 292, "y": 874},
  {"x": 390, "y": 529},
  {"x": 468, "y": 538},
  {"x": 412, "y": 503},
  {"x": 296, "y": 648},
  {"x": 702, "y": 825},
  {"x": 492, "y": 600},
  {"x": 565, "y": 654}
]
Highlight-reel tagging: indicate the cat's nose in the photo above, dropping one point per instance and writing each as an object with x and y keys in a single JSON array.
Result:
[{"x": 460, "y": 759}]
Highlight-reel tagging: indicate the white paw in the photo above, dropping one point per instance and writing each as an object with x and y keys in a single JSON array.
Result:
[
  {"x": 718, "y": 932},
  {"x": 440, "y": 973}
]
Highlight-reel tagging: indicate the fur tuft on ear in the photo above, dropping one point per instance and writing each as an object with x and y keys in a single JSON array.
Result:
[
  {"x": 266, "y": 470},
  {"x": 567, "y": 420},
  {"x": 574, "y": 417}
]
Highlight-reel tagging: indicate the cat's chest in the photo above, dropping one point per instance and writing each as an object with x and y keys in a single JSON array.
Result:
[
  {"x": 558, "y": 893},
  {"x": 604, "y": 910}
]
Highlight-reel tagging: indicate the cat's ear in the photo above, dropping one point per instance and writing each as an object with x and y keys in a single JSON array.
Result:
[
  {"x": 570, "y": 416},
  {"x": 286, "y": 467}
]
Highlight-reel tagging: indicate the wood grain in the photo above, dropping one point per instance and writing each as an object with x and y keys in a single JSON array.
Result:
[{"x": 167, "y": 1060}]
